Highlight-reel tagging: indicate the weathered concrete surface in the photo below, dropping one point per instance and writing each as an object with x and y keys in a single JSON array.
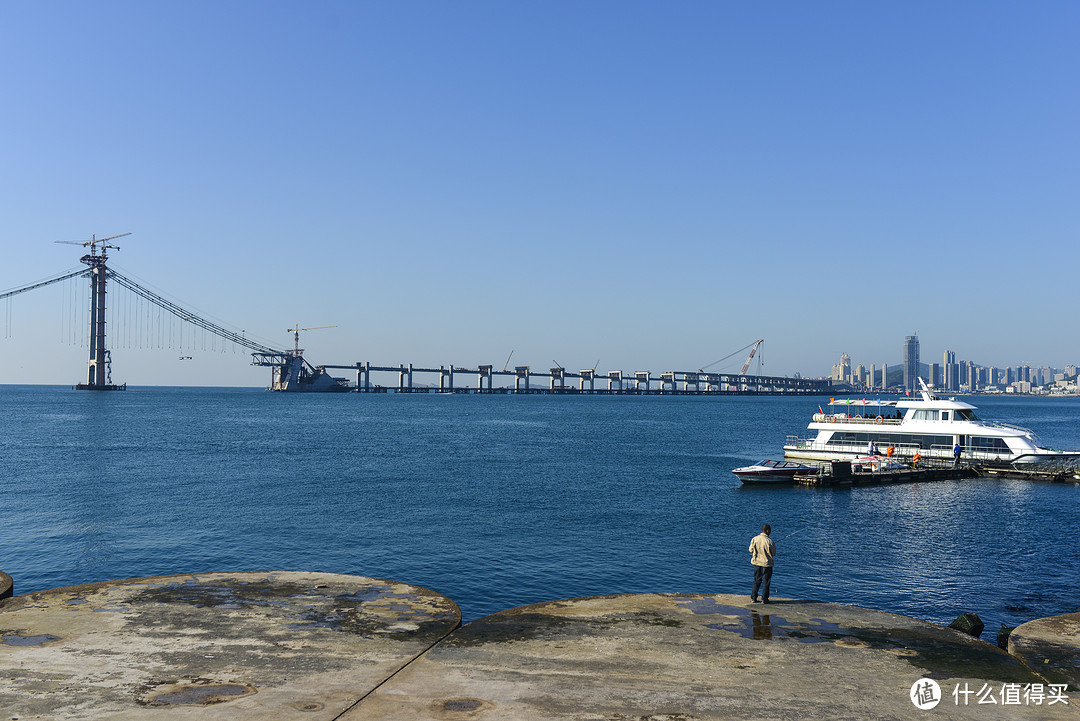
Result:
[
  {"x": 271, "y": 645},
  {"x": 1051, "y": 646},
  {"x": 678, "y": 657}
]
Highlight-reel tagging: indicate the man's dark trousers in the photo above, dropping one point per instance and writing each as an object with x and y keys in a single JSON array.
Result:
[{"x": 762, "y": 574}]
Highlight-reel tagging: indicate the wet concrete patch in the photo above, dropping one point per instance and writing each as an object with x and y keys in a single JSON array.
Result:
[
  {"x": 13, "y": 638},
  {"x": 226, "y": 593}
]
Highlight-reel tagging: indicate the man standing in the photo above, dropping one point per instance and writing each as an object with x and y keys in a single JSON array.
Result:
[
  {"x": 956, "y": 455},
  {"x": 762, "y": 553}
]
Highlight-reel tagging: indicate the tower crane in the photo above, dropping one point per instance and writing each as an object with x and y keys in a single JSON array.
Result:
[
  {"x": 750, "y": 357},
  {"x": 296, "y": 335},
  {"x": 94, "y": 260}
]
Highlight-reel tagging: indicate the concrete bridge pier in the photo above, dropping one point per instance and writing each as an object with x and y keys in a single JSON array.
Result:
[
  {"x": 642, "y": 377},
  {"x": 482, "y": 373},
  {"x": 691, "y": 379},
  {"x": 521, "y": 374},
  {"x": 666, "y": 380},
  {"x": 614, "y": 379},
  {"x": 558, "y": 379},
  {"x": 587, "y": 375},
  {"x": 446, "y": 379},
  {"x": 363, "y": 376},
  {"x": 404, "y": 375}
]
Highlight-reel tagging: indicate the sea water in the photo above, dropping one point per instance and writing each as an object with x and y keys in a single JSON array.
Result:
[{"x": 499, "y": 501}]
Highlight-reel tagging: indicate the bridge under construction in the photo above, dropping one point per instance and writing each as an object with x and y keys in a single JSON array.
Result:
[
  {"x": 143, "y": 313},
  {"x": 523, "y": 379}
]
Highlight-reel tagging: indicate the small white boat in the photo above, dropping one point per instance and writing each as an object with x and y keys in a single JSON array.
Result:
[{"x": 771, "y": 472}]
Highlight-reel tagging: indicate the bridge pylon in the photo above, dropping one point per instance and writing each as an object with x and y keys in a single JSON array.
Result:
[{"x": 99, "y": 366}]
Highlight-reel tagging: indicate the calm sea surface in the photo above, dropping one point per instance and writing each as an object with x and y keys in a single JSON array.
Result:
[{"x": 500, "y": 501}]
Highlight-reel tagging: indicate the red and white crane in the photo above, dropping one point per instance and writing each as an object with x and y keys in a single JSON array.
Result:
[{"x": 750, "y": 357}]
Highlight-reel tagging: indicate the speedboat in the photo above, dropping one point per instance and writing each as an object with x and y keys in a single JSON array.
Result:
[
  {"x": 772, "y": 472},
  {"x": 931, "y": 427}
]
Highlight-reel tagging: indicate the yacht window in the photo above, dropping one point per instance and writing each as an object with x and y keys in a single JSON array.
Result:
[
  {"x": 944, "y": 415},
  {"x": 925, "y": 415},
  {"x": 988, "y": 444},
  {"x": 964, "y": 415}
]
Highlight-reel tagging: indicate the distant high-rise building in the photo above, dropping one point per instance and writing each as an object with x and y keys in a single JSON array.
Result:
[
  {"x": 884, "y": 376},
  {"x": 991, "y": 376},
  {"x": 969, "y": 375},
  {"x": 911, "y": 362},
  {"x": 935, "y": 375},
  {"x": 841, "y": 372},
  {"x": 951, "y": 371}
]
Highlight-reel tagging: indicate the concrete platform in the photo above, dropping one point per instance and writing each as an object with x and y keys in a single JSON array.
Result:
[
  {"x": 272, "y": 645},
  {"x": 677, "y": 657},
  {"x": 1050, "y": 646}
]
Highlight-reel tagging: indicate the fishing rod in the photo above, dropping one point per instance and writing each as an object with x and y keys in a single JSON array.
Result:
[{"x": 794, "y": 532}]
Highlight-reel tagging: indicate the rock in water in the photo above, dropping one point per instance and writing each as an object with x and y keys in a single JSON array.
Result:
[
  {"x": 1003, "y": 636},
  {"x": 969, "y": 623}
]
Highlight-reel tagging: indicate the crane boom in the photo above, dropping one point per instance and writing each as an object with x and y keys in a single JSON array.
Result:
[{"x": 750, "y": 357}]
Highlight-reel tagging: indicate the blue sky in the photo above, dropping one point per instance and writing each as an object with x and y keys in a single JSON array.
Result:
[{"x": 647, "y": 185}]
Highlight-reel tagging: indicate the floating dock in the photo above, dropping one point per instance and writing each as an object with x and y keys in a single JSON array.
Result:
[{"x": 841, "y": 474}]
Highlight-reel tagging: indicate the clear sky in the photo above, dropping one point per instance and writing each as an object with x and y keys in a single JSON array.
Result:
[{"x": 646, "y": 185}]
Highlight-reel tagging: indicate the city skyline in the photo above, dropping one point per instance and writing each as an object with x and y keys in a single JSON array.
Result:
[
  {"x": 952, "y": 373},
  {"x": 624, "y": 184}
]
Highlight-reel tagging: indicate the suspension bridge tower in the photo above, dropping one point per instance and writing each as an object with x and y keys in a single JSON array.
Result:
[{"x": 99, "y": 367}]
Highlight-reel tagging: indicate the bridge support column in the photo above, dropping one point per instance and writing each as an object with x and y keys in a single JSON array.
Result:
[
  {"x": 558, "y": 378},
  {"x": 482, "y": 373},
  {"x": 522, "y": 373},
  {"x": 587, "y": 375},
  {"x": 691, "y": 379},
  {"x": 614, "y": 379},
  {"x": 641, "y": 377}
]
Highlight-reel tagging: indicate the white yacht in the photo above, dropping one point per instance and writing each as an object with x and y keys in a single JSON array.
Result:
[{"x": 930, "y": 427}]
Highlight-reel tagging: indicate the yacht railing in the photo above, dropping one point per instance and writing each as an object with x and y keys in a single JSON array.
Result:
[
  {"x": 866, "y": 420},
  {"x": 1011, "y": 427}
]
